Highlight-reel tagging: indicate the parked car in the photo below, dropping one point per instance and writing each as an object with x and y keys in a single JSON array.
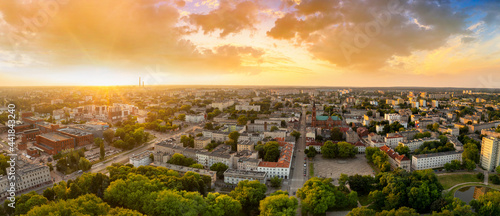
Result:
[{"x": 305, "y": 164}]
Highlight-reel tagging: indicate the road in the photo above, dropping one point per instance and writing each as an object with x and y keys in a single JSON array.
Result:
[{"x": 298, "y": 168}]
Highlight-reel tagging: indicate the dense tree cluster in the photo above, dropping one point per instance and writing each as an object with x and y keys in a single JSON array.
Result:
[
  {"x": 310, "y": 152},
  {"x": 456, "y": 165},
  {"x": 72, "y": 161},
  {"x": 380, "y": 159},
  {"x": 338, "y": 150},
  {"x": 220, "y": 168},
  {"x": 187, "y": 141},
  {"x": 179, "y": 159},
  {"x": 319, "y": 195},
  {"x": 434, "y": 147},
  {"x": 130, "y": 134},
  {"x": 417, "y": 190},
  {"x": 4, "y": 163},
  {"x": 269, "y": 151}
]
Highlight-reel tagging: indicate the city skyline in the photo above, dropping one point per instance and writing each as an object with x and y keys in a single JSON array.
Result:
[{"x": 283, "y": 43}]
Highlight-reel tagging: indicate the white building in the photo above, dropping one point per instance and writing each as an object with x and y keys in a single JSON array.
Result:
[
  {"x": 392, "y": 117},
  {"x": 416, "y": 143},
  {"x": 280, "y": 168},
  {"x": 490, "y": 153},
  {"x": 434, "y": 160},
  {"x": 141, "y": 159},
  {"x": 232, "y": 176},
  {"x": 195, "y": 118},
  {"x": 394, "y": 140},
  {"x": 247, "y": 107},
  {"x": 28, "y": 176}
]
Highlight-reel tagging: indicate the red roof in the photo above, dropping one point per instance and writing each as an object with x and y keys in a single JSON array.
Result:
[{"x": 394, "y": 155}]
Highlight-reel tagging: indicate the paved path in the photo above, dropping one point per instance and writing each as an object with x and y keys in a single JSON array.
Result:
[{"x": 458, "y": 185}]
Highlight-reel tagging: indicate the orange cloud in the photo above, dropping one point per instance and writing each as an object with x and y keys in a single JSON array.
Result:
[
  {"x": 364, "y": 35},
  {"x": 117, "y": 33},
  {"x": 230, "y": 17}
]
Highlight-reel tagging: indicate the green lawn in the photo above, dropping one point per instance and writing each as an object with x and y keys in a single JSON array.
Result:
[
  {"x": 311, "y": 169},
  {"x": 364, "y": 200},
  {"x": 449, "y": 181}
]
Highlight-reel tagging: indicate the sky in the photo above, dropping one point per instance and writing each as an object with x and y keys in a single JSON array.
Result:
[{"x": 359, "y": 43}]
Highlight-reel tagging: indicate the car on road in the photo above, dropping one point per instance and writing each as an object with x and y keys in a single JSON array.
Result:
[{"x": 305, "y": 164}]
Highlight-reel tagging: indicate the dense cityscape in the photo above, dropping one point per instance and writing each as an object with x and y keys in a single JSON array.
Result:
[
  {"x": 157, "y": 150},
  {"x": 250, "y": 107}
]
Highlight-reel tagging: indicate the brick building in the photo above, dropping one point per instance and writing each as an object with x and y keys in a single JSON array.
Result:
[
  {"x": 81, "y": 137},
  {"x": 55, "y": 142},
  {"x": 328, "y": 122}
]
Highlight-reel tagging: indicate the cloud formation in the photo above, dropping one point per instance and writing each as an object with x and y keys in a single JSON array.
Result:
[
  {"x": 361, "y": 34},
  {"x": 121, "y": 33},
  {"x": 229, "y": 17}
]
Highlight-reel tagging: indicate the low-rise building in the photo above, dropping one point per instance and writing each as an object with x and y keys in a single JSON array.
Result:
[
  {"x": 28, "y": 176},
  {"x": 232, "y": 176},
  {"x": 201, "y": 142},
  {"x": 141, "y": 159},
  {"x": 414, "y": 144},
  {"x": 396, "y": 160},
  {"x": 393, "y": 140},
  {"x": 53, "y": 143},
  {"x": 195, "y": 118},
  {"x": 434, "y": 160},
  {"x": 245, "y": 145}
]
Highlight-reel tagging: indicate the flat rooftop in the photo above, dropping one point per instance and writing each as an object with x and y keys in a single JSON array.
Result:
[{"x": 56, "y": 136}]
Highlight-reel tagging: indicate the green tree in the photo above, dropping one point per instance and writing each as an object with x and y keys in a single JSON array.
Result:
[
  {"x": 220, "y": 168},
  {"x": 336, "y": 134},
  {"x": 330, "y": 149},
  {"x": 172, "y": 203},
  {"x": 108, "y": 135},
  {"x": 97, "y": 142},
  {"x": 249, "y": 194},
  {"x": 133, "y": 192},
  {"x": 310, "y": 152},
  {"x": 469, "y": 164},
  {"x": 281, "y": 205},
  {"x": 274, "y": 128},
  {"x": 84, "y": 205},
  {"x": 295, "y": 134},
  {"x": 84, "y": 164},
  {"x": 401, "y": 211},
  {"x": 221, "y": 205},
  {"x": 402, "y": 150},
  {"x": 28, "y": 201},
  {"x": 197, "y": 166},
  {"x": 361, "y": 211},
  {"x": 242, "y": 120},
  {"x": 276, "y": 182},
  {"x": 102, "y": 152},
  {"x": 179, "y": 159},
  {"x": 498, "y": 169},
  {"x": 488, "y": 204},
  {"x": 317, "y": 195}
]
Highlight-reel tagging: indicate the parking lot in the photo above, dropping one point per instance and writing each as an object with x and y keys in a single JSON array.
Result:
[{"x": 332, "y": 168}]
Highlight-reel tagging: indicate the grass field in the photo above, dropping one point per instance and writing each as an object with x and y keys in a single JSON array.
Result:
[
  {"x": 449, "y": 181},
  {"x": 311, "y": 169}
]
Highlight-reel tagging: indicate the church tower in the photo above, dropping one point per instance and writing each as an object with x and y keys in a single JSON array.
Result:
[{"x": 313, "y": 117}]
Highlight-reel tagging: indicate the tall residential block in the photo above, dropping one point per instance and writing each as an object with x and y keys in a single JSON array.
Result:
[{"x": 490, "y": 153}]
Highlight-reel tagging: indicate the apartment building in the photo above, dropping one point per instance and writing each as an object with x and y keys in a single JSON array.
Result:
[
  {"x": 81, "y": 137},
  {"x": 434, "y": 160},
  {"x": 201, "y": 142},
  {"x": 245, "y": 145},
  {"x": 28, "y": 176},
  {"x": 490, "y": 153},
  {"x": 393, "y": 140},
  {"x": 416, "y": 143},
  {"x": 280, "y": 168},
  {"x": 195, "y": 118},
  {"x": 141, "y": 159},
  {"x": 396, "y": 160}
]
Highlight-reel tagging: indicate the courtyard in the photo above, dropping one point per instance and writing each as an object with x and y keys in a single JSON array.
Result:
[{"x": 332, "y": 168}]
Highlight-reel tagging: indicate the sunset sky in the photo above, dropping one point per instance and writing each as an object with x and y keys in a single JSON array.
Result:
[{"x": 260, "y": 42}]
